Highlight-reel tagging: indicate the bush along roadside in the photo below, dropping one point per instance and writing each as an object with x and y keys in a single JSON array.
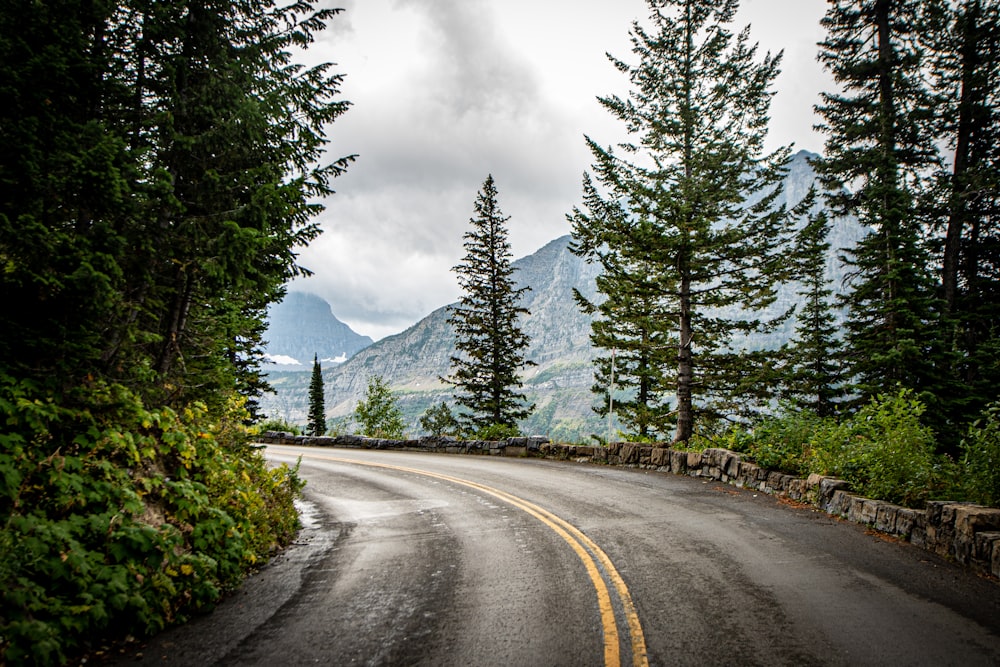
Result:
[{"x": 121, "y": 520}]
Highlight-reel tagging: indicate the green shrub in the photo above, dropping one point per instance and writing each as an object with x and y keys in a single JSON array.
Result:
[
  {"x": 438, "y": 420},
  {"x": 497, "y": 432},
  {"x": 782, "y": 443},
  {"x": 279, "y": 425},
  {"x": 980, "y": 459},
  {"x": 883, "y": 451},
  {"x": 377, "y": 413},
  {"x": 118, "y": 519}
]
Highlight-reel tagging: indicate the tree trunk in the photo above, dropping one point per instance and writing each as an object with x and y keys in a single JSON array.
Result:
[{"x": 685, "y": 367}]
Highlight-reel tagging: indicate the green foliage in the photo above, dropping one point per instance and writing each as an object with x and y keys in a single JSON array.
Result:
[
  {"x": 489, "y": 342},
  {"x": 881, "y": 142},
  {"x": 122, "y": 519},
  {"x": 377, "y": 413},
  {"x": 812, "y": 372},
  {"x": 158, "y": 168},
  {"x": 497, "y": 432},
  {"x": 684, "y": 222},
  {"x": 438, "y": 420},
  {"x": 980, "y": 459},
  {"x": 279, "y": 425},
  {"x": 960, "y": 39},
  {"x": 884, "y": 450},
  {"x": 780, "y": 443},
  {"x": 317, "y": 409}
]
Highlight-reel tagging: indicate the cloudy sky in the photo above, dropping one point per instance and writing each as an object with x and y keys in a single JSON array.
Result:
[{"x": 445, "y": 92}]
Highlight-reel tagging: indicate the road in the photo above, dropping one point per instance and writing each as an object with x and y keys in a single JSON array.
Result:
[{"x": 429, "y": 559}]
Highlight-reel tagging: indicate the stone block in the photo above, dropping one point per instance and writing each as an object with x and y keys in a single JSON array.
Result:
[
  {"x": 862, "y": 510},
  {"x": 694, "y": 460},
  {"x": 907, "y": 521},
  {"x": 515, "y": 450},
  {"x": 778, "y": 482},
  {"x": 659, "y": 456},
  {"x": 814, "y": 479},
  {"x": 731, "y": 464},
  {"x": 995, "y": 560},
  {"x": 748, "y": 473},
  {"x": 797, "y": 489},
  {"x": 829, "y": 486},
  {"x": 535, "y": 442},
  {"x": 678, "y": 461},
  {"x": 885, "y": 517},
  {"x": 983, "y": 547},
  {"x": 972, "y": 519}
]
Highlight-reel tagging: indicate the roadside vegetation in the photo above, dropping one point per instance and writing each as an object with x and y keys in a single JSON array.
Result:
[
  {"x": 884, "y": 450},
  {"x": 159, "y": 168}
]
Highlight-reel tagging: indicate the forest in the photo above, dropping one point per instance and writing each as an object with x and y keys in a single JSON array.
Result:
[{"x": 159, "y": 164}]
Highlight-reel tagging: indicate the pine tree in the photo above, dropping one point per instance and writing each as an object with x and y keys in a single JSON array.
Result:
[
  {"x": 880, "y": 145},
  {"x": 632, "y": 376},
  {"x": 964, "y": 42},
  {"x": 686, "y": 223},
  {"x": 377, "y": 413},
  {"x": 813, "y": 365},
  {"x": 317, "y": 408},
  {"x": 159, "y": 166},
  {"x": 489, "y": 342}
]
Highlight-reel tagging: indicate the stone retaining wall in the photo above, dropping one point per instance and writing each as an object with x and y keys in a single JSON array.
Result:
[{"x": 966, "y": 533}]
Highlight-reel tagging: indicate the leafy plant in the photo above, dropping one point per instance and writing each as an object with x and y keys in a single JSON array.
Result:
[
  {"x": 497, "y": 432},
  {"x": 980, "y": 459},
  {"x": 118, "y": 518},
  {"x": 279, "y": 425},
  {"x": 884, "y": 450},
  {"x": 377, "y": 413},
  {"x": 438, "y": 420}
]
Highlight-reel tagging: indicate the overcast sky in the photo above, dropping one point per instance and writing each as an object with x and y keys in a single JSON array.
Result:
[{"x": 445, "y": 92}]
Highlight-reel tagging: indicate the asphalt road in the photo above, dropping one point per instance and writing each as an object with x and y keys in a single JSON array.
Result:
[{"x": 428, "y": 559}]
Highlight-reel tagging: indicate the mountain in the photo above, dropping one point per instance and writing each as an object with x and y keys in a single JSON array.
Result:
[
  {"x": 303, "y": 325},
  {"x": 414, "y": 360}
]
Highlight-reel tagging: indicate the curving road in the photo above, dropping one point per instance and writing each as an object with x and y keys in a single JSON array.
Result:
[{"x": 424, "y": 559}]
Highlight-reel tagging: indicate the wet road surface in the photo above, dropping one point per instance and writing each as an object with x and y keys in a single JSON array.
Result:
[{"x": 429, "y": 559}]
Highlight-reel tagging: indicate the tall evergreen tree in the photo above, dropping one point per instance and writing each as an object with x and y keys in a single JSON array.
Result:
[
  {"x": 488, "y": 338},
  {"x": 813, "y": 361},
  {"x": 632, "y": 376},
  {"x": 964, "y": 41},
  {"x": 880, "y": 145},
  {"x": 159, "y": 164},
  {"x": 686, "y": 222},
  {"x": 317, "y": 407},
  {"x": 158, "y": 169}
]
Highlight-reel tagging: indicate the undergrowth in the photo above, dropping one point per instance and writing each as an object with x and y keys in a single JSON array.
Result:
[
  {"x": 119, "y": 519},
  {"x": 883, "y": 450}
]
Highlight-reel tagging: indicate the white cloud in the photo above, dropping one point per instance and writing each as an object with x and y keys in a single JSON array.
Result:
[{"x": 445, "y": 92}]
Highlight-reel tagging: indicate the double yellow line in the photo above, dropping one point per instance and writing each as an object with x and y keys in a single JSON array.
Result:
[{"x": 592, "y": 556}]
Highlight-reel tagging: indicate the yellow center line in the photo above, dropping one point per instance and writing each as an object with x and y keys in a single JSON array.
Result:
[{"x": 578, "y": 542}]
